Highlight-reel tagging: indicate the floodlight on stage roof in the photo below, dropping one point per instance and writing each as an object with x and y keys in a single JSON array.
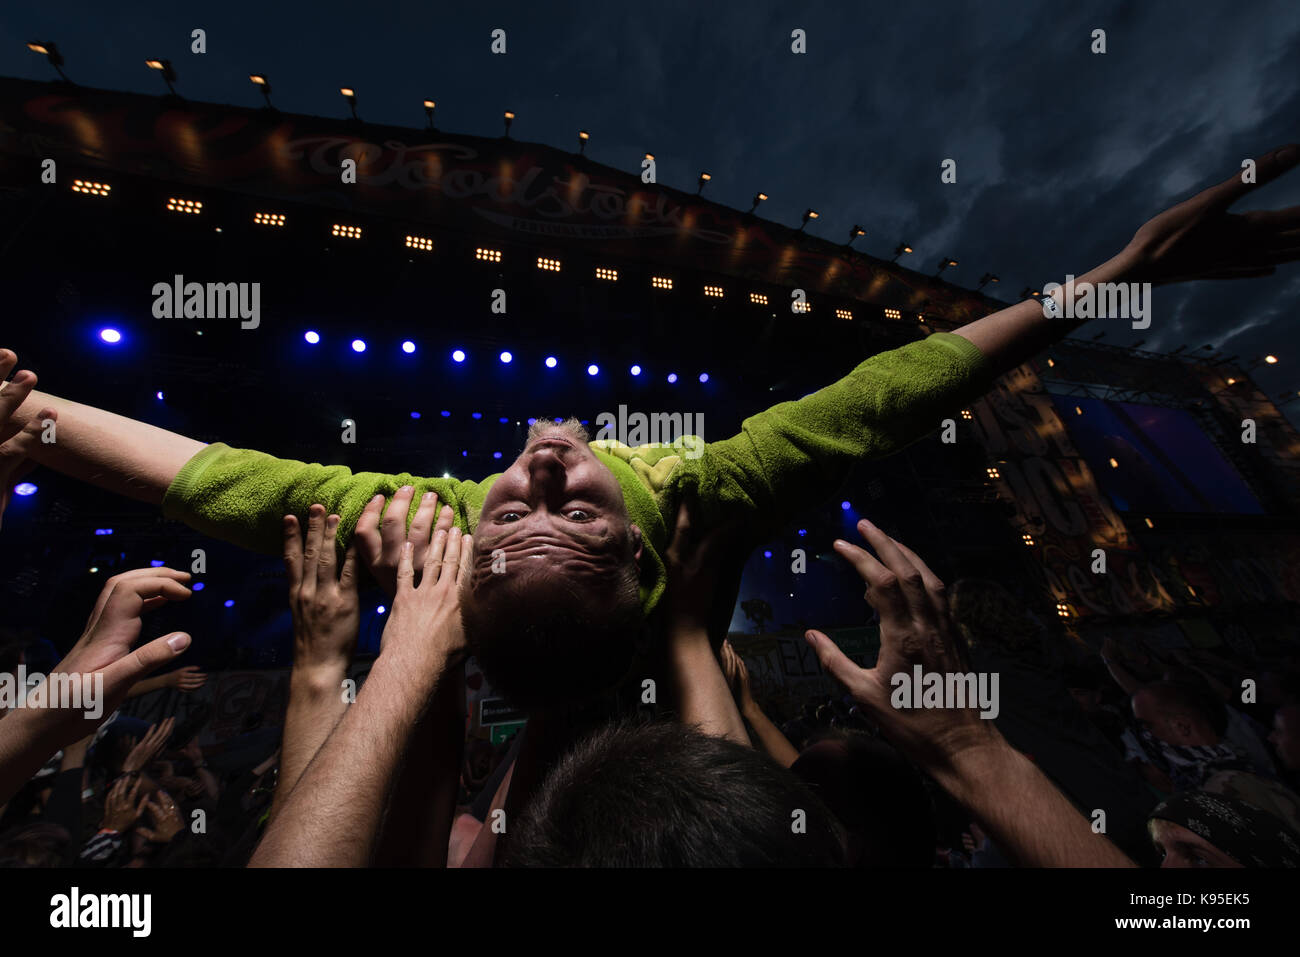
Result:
[
  {"x": 704, "y": 179},
  {"x": 165, "y": 68},
  {"x": 50, "y": 51},
  {"x": 509, "y": 118},
  {"x": 807, "y": 215},
  {"x": 263, "y": 84},
  {"x": 583, "y": 136},
  {"x": 758, "y": 198},
  {"x": 428, "y": 111},
  {"x": 350, "y": 95}
]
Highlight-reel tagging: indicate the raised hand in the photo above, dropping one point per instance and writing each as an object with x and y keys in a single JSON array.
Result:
[
  {"x": 146, "y": 749},
  {"x": 124, "y": 804},
  {"x": 164, "y": 818},
  {"x": 380, "y": 540},
  {"x": 424, "y": 627},
  {"x": 189, "y": 678},
  {"x": 16, "y": 443},
  {"x": 1200, "y": 239},
  {"x": 322, "y": 595},
  {"x": 915, "y": 628}
]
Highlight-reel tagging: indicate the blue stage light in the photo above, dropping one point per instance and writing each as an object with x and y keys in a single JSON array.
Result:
[
  {"x": 103, "y": 531},
  {"x": 458, "y": 355},
  {"x": 476, "y": 415},
  {"x": 506, "y": 357},
  {"x": 532, "y": 421},
  {"x": 704, "y": 377},
  {"x": 496, "y": 455},
  {"x": 358, "y": 345},
  {"x": 159, "y": 395},
  {"x": 312, "y": 336},
  {"x": 593, "y": 369},
  {"x": 111, "y": 336},
  {"x": 672, "y": 377},
  {"x": 636, "y": 370},
  {"x": 767, "y": 554},
  {"x": 846, "y": 505},
  {"x": 198, "y": 586},
  {"x": 24, "y": 488},
  {"x": 408, "y": 347},
  {"x": 803, "y": 532},
  {"x": 550, "y": 362},
  {"x": 503, "y": 420},
  {"x": 157, "y": 562},
  {"x": 230, "y": 603},
  {"x": 381, "y": 609},
  {"x": 415, "y": 415},
  {"x": 446, "y": 414}
]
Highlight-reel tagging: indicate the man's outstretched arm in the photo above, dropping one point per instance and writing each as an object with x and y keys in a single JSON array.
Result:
[
  {"x": 799, "y": 451},
  {"x": 122, "y": 455}
]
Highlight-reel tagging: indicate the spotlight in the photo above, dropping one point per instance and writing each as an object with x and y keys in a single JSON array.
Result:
[
  {"x": 944, "y": 263},
  {"x": 445, "y": 413},
  {"x": 158, "y": 396},
  {"x": 358, "y": 345},
  {"x": 846, "y": 505},
  {"x": 807, "y": 215},
  {"x": 503, "y": 420},
  {"x": 229, "y": 603},
  {"x": 854, "y": 233},
  {"x": 312, "y": 336},
  {"x": 758, "y": 198},
  {"x": 458, "y": 356},
  {"x": 550, "y": 362},
  {"x": 111, "y": 336},
  {"x": 476, "y": 415},
  {"x": 704, "y": 180},
  {"x": 428, "y": 112},
  {"x": 51, "y": 53},
  {"x": 496, "y": 455},
  {"x": 506, "y": 357},
  {"x": 24, "y": 489},
  {"x": 165, "y": 68},
  {"x": 509, "y": 118},
  {"x": 900, "y": 250},
  {"x": 985, "y": 279},
  {"x": 408, "y": 347},
  {"x": 197, "y": 586},
  {"x": 350, "y": 95},
  {"x": 672, "y": 378},
  {"x": 380, "y": 610},
  {"x": 583, "y": 136},
  {"x": 264, "y": 85},
  {"x": 593, "y": 369},
  {"x": 635, "y": 370},
  {"x": 415, "y": 415},
  {"x": 704, "y": 377}
]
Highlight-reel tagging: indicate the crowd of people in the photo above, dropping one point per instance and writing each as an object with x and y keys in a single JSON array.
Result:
[{"x": 594, "y": 582}]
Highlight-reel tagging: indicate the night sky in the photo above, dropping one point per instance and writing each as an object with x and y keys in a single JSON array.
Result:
[{"x": 1061, "y": 153}]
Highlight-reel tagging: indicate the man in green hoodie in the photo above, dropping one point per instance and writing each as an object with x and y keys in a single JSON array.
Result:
[{"x": 568, "y": 540}]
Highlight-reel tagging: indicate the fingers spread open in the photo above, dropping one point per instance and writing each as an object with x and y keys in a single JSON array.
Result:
[
  {"x": 393, "y": 527},
  {"x": 292, "y": 552},
  {"x": 367, "y": 533},
  {"x": 422, "y": 524}
]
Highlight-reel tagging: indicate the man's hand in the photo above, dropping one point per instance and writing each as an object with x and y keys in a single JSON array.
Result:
[
  {"x": 124, "y": 805},
  {"x": 381, "y": 540},
  {"x": 424, "y": 627},
  {"x": 189, "y": 678},
  {"x": 108, "y": 644},
  {"x": 915, "y": 628},
  {"x": 16, "y": 442},
  {"x": 322, "y": 596},
  {"x": 733, "y": 667},
  {"x": 694, "y": 560},
  {"x": 146, "y": 749},
  {"x": 1200, "y": 239},
  {"x": 164, "y": 817}
]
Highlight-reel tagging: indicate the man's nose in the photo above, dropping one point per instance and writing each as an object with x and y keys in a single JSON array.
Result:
[{"x": 546, "y": 466}]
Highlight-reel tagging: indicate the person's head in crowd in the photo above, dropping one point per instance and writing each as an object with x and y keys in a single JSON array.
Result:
[
  {"x": 39, "y": 844},
  {"x": 991, "y": 618},
  {"x": 663, "y": 795},
  {"x": 1174, "y": 714},
  {"x": 876, "y": 795},
  {"x": 552, "y": 606},
  {"x": 1200, "y": 829},
  {"x": 1285, "y": 736}
]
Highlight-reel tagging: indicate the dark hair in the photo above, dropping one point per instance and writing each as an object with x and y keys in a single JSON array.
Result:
[
  {"x": 40, "y": 844},
  {"x": 664, "y": 795},
  {"x": 553, "y": 644},
  {"x": 879, "y": 798}
]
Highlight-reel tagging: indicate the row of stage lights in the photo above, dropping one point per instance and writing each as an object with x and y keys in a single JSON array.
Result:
[
  {"x": 485, "y": 254},
  {"x": 167, "y": 71}
]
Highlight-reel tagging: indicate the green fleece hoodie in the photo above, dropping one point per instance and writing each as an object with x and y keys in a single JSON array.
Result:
[{"x": 782, "y": 462}]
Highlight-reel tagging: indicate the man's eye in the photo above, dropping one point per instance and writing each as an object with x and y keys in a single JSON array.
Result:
[
  {"x": 511, "y": 516},
  {"x": 578, "y": 515}
]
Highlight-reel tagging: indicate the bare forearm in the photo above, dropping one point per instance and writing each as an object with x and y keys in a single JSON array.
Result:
[
  {"x": 315, "y": 707},
  {"x": 770, "y": 739},
  {"x": 332, "y": 818},
  {"x": 1016, "y": 334},
  {"x": 112, "y": 451},
  {"x": 1023, "y": 812},
  {"x": 703, "y": 697}
]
